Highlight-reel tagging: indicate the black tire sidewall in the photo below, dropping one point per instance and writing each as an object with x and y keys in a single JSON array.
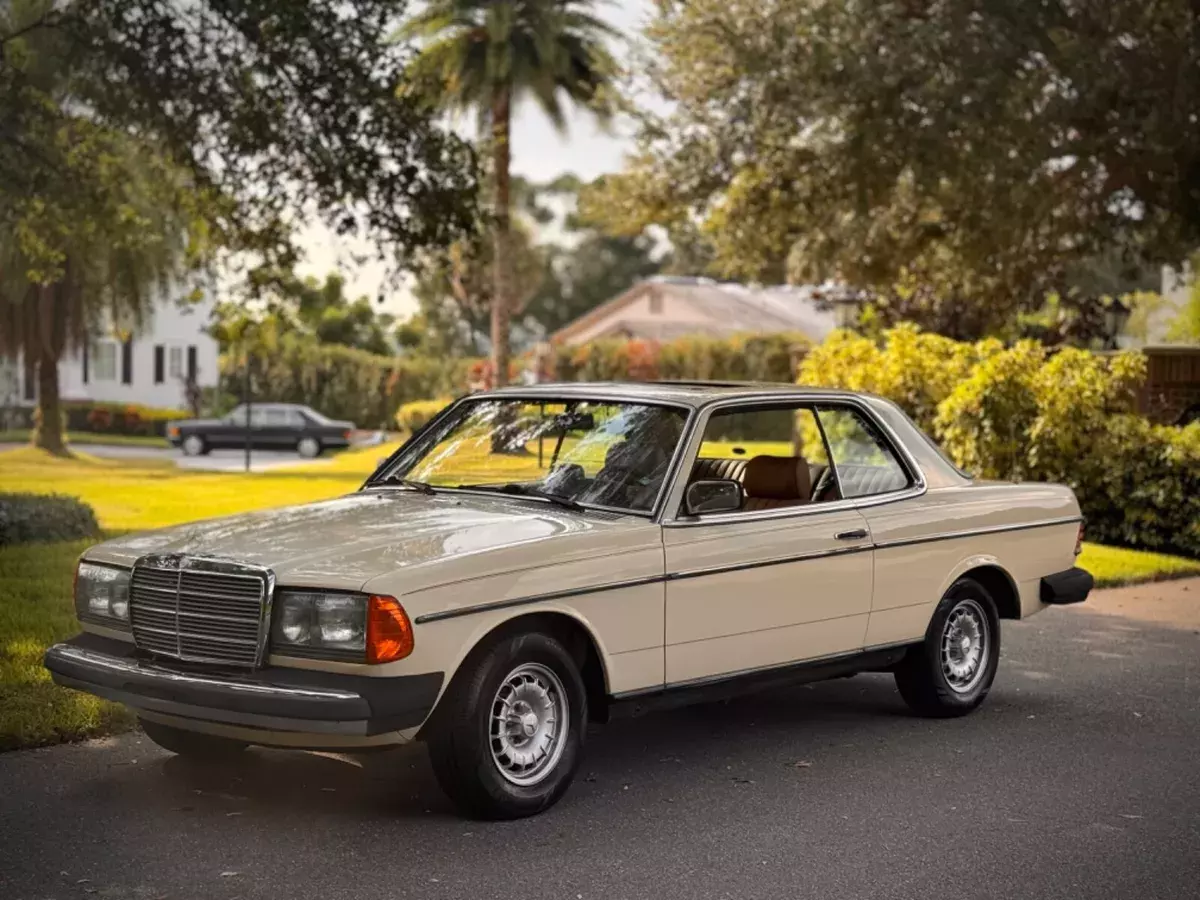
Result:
[
  {"x": 467, "y": 771},
  {"x": 925, "y": 675}
]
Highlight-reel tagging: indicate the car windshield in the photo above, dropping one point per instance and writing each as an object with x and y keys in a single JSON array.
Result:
[{"x": 576, "y": 452}]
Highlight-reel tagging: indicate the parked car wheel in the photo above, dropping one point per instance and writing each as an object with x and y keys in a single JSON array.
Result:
[
  {"x": 951, "y": 672},
  {"x": 191, "y": 745},
  {"x": 508, "y": 736},
  {"x": 309, "y": 447},
  {"x": 194, "y": 445}
]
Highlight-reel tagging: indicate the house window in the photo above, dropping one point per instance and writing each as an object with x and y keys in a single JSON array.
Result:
[
  {"x": 159, "y": 365},
  {"x": 104, "y": 360},
  {"x": 175, "y": 367},
  {"x": 656, "y": 304}
]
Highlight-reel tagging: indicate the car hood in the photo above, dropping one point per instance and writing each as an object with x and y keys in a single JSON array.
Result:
[{"x": 345, "y": 542}]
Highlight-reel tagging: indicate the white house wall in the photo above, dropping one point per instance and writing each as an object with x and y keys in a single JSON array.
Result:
[{"x": 171, "y": 327}]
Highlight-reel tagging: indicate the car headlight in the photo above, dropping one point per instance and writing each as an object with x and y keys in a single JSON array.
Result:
[
  {"x": 102, "y": 594},
  {"x": 352, "y": 627}
]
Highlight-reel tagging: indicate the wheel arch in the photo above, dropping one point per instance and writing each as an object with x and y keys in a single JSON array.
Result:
[
  {"x": 570, "y": 629},
  {"x": 998, "y": 582}
]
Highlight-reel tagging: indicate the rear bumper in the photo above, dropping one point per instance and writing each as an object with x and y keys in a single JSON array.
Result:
[
  {"x": 274, "y": 699},
  {"x": 1071, "y": 586}
]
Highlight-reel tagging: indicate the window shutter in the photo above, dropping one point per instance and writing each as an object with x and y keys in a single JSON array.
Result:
[
  {"x": 85, "y": 363},
  {"x": 127, "y": 361},
  {"x": 191, "y": 363},
  {"x": 159, "y": 353}
]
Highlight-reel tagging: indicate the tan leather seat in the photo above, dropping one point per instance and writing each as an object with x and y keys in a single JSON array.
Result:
[{"x": 772, "y": 482}]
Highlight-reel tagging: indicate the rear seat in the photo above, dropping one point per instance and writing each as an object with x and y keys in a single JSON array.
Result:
[{"x": 862, "y": 481}]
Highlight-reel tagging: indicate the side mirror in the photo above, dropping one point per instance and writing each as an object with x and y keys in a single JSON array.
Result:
[{"x": 713, "y": 496}]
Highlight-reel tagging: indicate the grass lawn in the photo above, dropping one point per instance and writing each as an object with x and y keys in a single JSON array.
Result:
[
  {"x": 84, "y": 438},
  {"x": 1112, "y": 566},
  {"x": 35, "y": 579}
]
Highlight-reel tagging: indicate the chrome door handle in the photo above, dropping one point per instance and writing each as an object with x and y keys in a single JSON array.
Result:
[{"x": 856, "y": 535}]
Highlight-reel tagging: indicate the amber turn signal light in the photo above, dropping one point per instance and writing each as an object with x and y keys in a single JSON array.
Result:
[
  {"x": 173, "y": 432},
  {"x": 389, "y": 633}
]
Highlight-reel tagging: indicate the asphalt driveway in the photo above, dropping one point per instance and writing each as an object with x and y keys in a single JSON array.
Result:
[{"x": 1078, "y": 779}]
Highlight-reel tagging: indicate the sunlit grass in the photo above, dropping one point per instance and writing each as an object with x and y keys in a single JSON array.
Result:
[{"x": 1117, "y": 565}]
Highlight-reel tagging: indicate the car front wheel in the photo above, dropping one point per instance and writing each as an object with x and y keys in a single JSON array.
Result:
[
  {"x": 309, "y": 447},
  {"x": 190, "y": 744},
  {"x": 508, "y": 736},
  {"x": 951, "y": 671},
  {"x": 193, "y": 445}
]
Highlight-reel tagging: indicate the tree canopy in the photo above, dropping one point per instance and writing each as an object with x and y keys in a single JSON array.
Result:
[
  {"x": 276, "y": 110},
  {"x": 956, "y": 157}
]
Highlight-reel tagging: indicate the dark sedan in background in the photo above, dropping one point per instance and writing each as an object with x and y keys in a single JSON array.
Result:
[{"x": 272, "y": 426}]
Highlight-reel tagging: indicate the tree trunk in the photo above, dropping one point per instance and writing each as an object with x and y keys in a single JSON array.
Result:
[
  {"x": 48, "y": 435},
  {"x": 501, "y": 241}
]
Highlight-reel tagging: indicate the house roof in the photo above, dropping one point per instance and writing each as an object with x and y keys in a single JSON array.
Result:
[{"x": 728, "y": 307}]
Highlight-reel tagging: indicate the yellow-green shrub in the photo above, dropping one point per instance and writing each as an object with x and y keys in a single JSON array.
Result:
[
  {"x": 1029, "y": 413},
  {"x": 411, "y": 417}
]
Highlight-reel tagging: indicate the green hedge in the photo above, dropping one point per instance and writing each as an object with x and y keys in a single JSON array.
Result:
[
  {"x": 99, "y": 417},
  {"x": 44, "y": 517},
  {"x": 738, "y": 358},
  {"x": 344, "y": 383},
  {"x": 1027, "y": 413}
]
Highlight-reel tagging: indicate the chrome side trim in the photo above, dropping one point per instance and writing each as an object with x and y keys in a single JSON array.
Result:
[
  {"x": 762, "y": 564},
  {"x": 975, "y": 532},
  {"x": 536, "y": 598},
  {"x": 734, "y": 567}
]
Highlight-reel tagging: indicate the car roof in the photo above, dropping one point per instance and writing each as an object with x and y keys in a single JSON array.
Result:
[{"x": 687, "y": 393}]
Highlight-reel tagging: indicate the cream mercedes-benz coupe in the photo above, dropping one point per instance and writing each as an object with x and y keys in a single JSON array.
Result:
[{"x": 536, "y": 558}]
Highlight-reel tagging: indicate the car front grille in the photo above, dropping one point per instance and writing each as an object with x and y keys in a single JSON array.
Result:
[{"x": 200, "y": 610}]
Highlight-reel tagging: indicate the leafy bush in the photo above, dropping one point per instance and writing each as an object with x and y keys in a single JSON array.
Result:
[
  {"x": 415, "y": 415},
  {"x": 344, "y": 383},
  {"x": 766, "y": 357},
  {"x": 44, "y": 517},
  {"x": 1026, "y": 413}
]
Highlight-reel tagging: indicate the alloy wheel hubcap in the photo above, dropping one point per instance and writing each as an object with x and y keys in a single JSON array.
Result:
[
  {"x": 527, "y": 724},
  {"x": 965, "y": 645}
]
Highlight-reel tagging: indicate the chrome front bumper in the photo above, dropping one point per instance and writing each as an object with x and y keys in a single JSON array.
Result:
[{"x": 270, "y": 699}]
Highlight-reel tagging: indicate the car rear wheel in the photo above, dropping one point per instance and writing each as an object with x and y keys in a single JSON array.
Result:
[
  {"x": 309, "y": 447},
  {"x": 508, "y": 735},
  {"x": 194, "y": 445},
  {"x": 951, "y": 671},
  {"x": 190, "y": 744}
]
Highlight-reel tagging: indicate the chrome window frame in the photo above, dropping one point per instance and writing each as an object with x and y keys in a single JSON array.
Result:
[{"x": 917, "y": 482}]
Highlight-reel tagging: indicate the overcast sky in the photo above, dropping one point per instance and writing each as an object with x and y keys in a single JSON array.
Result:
[{"x": 539, "y": 153}]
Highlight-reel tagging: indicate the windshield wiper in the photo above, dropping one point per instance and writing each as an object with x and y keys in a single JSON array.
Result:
[
  {"x": 524, "y": 490},
  {"x": 405, "y": 482}
]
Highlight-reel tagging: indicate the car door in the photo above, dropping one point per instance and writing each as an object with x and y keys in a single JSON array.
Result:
[
  {"x": 783, "y": 580},
  {"x": 873, "y": 472}
]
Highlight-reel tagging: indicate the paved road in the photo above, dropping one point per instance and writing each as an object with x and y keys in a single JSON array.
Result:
[{"x": 1078, "y": 779}]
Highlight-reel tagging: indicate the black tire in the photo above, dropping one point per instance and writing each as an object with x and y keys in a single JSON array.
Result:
[
  {"x": 194, "y": 445},
  {"x": 922, "y": 677},
  {"x": 190, "y": 744},
  {"x": 309, "y": 447},
  {"x": 461, "y": 744}
]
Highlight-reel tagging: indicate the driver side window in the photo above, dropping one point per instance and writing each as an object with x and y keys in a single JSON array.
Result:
[{"x": 776, "y": 453}]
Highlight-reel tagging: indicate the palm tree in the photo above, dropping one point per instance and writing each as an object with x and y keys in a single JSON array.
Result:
[{"x": 487, "y": 55}]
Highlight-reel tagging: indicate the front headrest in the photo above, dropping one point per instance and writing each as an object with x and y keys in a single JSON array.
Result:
[{"x": 777, "y": 478}]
